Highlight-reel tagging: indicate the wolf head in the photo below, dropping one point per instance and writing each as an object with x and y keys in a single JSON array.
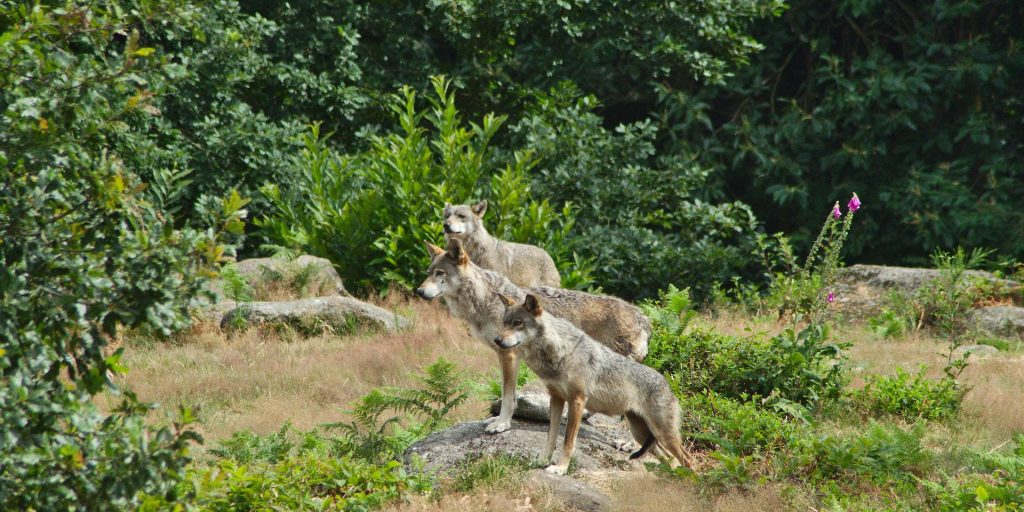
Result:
[
  {"x": 521, "y": 323},
  {"x": 464, "y": 220},
  {"x": 446, "y": 272}
]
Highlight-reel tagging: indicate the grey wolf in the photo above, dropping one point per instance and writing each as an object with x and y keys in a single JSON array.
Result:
[
  {"x": 472, "y": 294},
  {"x": 587, "y": 374},
  {"x": 525, "y": 265}
]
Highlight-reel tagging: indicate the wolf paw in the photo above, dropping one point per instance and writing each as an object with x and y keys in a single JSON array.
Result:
[
  {"x": 626, "y": 445},
  {"x": 497, "y": 425},
  {"x": 558, "y": 469}
]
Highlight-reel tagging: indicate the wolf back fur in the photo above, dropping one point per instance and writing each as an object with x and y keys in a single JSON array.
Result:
[
  {"x": 584, "y": 373},
  {"x": 525, "y": 265},
  {"x": 473, "y": 294}
]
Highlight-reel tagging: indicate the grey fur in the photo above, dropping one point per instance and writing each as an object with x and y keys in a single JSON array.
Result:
[
  {"x": 524, "y": 265},
  {"x": 578, "y": 370},
  {"x": 475, "y": 295}
]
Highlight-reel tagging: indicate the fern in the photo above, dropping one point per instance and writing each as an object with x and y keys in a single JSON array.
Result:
[{"x": 371, "y": 437}]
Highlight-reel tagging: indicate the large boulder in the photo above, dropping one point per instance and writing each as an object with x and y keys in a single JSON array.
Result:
[
  {"x": 338, "y": 313},
  {"x": 863, "y": 290},
  {"x": 570, "y": 493},
  {"x": 447, "y": 450},
  {"x": 1002, "y": 321},
  {"x": 305, "y": 276}
]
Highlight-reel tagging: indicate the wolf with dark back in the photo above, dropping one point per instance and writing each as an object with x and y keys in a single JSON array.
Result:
[
  {"x": 524, "y": 265},
  {"x": 473, "y": 294},
  {"x": 587, "y": 374}
]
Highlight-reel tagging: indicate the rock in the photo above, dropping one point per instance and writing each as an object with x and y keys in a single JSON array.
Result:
[
  {"x": 446, "y": 450},
  {"x": 975, "y": 351},
  {"x": 334, "y": 312},
  {"x": 532, "y": 404},
  {"x": 862, "y": 290},
  {"x": 569, "y": 492},
  {"x": 295, "y": 276},
  {"x": 1003, "y": 321}
]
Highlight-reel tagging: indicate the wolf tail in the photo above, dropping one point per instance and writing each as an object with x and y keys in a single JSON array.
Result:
[{"x": 643, "y": 449}]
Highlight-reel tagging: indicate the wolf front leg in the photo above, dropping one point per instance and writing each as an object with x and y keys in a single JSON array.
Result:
[
  {"x": 556, "y": 405},
  {"x": 577, "y": 402},
  {"x": 509, "y": 360}
]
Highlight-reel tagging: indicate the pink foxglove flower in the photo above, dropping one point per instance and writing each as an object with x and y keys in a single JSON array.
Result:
[
  {"x": 835, "y": 211},
  {"x": 831, "y": 298},
  {"x": 854, "y": 203}
]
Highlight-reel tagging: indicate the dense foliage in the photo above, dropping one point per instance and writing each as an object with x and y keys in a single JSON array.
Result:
[
  {"x": 86, "y": 250},
  {"x": 371, "y": 211},
  {"x": 914, "y": 103}
]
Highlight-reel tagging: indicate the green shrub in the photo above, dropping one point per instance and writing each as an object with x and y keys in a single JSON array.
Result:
[
  {"x": 800, "y": 367},
  {"x": 894, "y": 100},
  {"x": 737, "y": 427},
  {"x": 997, "y": 483},
  {"x": 85, "y": 252},
  {"x": 912, "y": 396},
  {"x": 882, "y": 453},
  {"x": 370, "y": 212},
  {"x": 643, "y": 220},
  {"x": 313, "y": 474}
]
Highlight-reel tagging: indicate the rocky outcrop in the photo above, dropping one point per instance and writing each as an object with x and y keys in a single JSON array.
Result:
[
  {"x": 338, "y": 313},
  {"x": 570, "y": 493},
  {"x": 863, "y": 290},
  {"x": 596, "y": 445},
  {"x": 444, "y": 453},
  {"x": 1001, "y": 321},
  {"x": 305, "y": 276},
  {"x": 975, "y": 351}
]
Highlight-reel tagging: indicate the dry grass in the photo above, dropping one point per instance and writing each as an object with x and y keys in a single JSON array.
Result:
[
  {"x": 645, "y": 492},
  {"x": 259, "y": 379},
  {"x": 993, "y": 406}
]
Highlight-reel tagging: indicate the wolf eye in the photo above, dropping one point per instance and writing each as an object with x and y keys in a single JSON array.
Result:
[
  {"x": 439, "y": 272},
  {"x": 517, "y": 323},
  {"x": 461, "y": 216}
]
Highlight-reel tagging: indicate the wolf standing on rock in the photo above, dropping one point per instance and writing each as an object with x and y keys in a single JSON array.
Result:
[
  {"x": 524, "y": 265},
  {"x": 586, "y": 374},
  {"x": 473, "y": 294}
]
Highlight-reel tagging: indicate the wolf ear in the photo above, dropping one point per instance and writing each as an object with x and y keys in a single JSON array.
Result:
[
  {"x": 447, "y": 208},
  {"x": 532, "y": 305},
  {"x": 457, "y": 253},
  {"x": 509, "y": 301},
  {"x": 433, "y": 249},
  {"x": 479, "y": 208}
]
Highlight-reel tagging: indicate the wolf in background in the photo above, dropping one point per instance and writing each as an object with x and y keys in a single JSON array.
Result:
[
  {"x": 524, "y": 265},
  {"x": 587, "y": 374},
  {"x": 473, "y": 294}
]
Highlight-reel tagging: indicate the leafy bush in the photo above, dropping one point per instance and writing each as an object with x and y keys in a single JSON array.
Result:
[
  {"x": 370, "y": 212},
  {"x": 996, "y": 484},
  {"x": 85, "y": 251},
  {"x": 796, "y": 366},
  {"x": 882, "y": 453},
  {"x": 737, "y": 427},
  {"x": 912, "y": 396},
  {"x": 645, "y": 219},
  {"x": 315, "y": 473},
  {"x": 895, "y": 100}
]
